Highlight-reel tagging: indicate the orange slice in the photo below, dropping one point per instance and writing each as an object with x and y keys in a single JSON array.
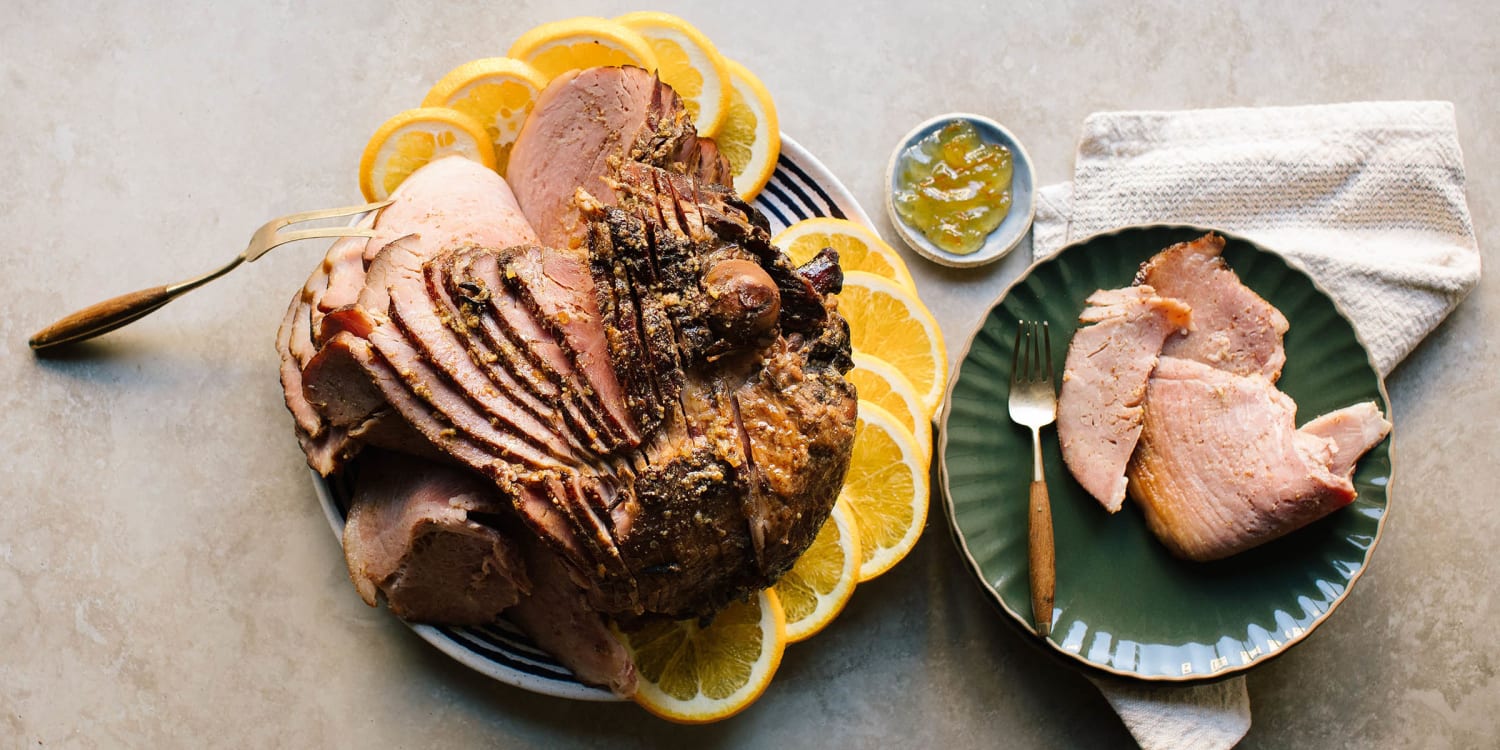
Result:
[
  {"x": 497, "y": 92},
  {"x": 888, "y": 321},
  {"x": 693, "y": 674},
  {"x": 818, "y": 586},
  {"x": 859, "y": 248},
  {"x": 885, "y": 489},
  {"x": 583, "y": 42},
  {"x": 689, "y": 63},
  {"x": 412, "y": 138},
  {"x": 750, "y": 137},
  {"x": 883, "y": 385}
]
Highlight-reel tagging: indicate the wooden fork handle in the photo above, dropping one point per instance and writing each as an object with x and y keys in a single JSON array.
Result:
[
  {"x": 1042, "y": 559},
  {"x": 103, "y": 317}
]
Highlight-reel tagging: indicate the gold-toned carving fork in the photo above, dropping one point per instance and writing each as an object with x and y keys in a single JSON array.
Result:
[{"x": 110, "y": 314}]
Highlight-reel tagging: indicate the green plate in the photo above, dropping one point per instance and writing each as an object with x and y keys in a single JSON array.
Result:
[{"x": 1124, "y": 604}]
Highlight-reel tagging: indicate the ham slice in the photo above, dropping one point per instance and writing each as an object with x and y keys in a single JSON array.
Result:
[
  {"x": 1234, "y": 329},
  {"x": 1099, "y": 409},
  {"x": 585, "y": 124},
  {"x": 450, "y": 201},
  {"x": 507, "y": 331},
  {"x": 410, "y": 537},
  {"x": 557, "y": 616},
  {"x": 1354, "y": 430},
  {"x": 1169, "y": 396},
  {"x": 556, "y": 286},
  {"x": 1222, "y": 468}
]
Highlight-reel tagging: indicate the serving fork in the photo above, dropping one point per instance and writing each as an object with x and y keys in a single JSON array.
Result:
[
  {"x": 119, "y": 311},
  {"x": 1033, "y": 403}
]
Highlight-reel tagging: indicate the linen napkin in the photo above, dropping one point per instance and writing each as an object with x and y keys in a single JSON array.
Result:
[{"x": 1367, "y": 198}]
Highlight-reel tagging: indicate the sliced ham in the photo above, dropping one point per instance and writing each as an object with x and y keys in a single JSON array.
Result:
[
  {"x": 558, "y": 617},
  {"x": 1169, "y": 396},
  {"x": 583, "y": 126},
  {"x": 305, "y": 416},
  {"x": 500, "y": 399},
  {"x": 1353, "y": 431},
  {"x": 1221, "y": 466},
  {"x": 410, "y": 537},
  {"x": 345, "y": 266},
  {"x": 1234, "y": 329},
  {"x": 337, "y": 384},
  {"x": 647, "y": 393},
  {"x": 386, "y": 429},
  {"x": 556, "y": 286},
  {"x": 449, "y": 201},
  {"x": 523, "y": 343},
  {"x": 1099, "y": 409},
  {"x": 439, "y": 398},
  {"x": 446, "y": 204}
]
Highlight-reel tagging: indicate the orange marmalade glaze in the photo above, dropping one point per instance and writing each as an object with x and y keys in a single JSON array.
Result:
[{"x": 954, "y": 188}]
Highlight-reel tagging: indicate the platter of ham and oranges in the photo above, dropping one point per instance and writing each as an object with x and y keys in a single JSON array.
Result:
[
  {"x": 1129, "y": 601},
  {"x": 618, "y": 394},
  {"x": 800, "y": 188}
]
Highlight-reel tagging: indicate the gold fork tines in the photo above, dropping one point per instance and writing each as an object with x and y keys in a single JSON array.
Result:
[{"x": 120, "y": 311}]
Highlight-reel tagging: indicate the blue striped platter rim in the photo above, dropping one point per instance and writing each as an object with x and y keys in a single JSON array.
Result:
[{"x": 800, "y": 188}]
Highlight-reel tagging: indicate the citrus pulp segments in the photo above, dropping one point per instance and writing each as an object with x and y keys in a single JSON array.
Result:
[
  {"x": 886, "y": 490},
  {"x": 695, "y": 674},
  {"x": 818, "y": 586}
]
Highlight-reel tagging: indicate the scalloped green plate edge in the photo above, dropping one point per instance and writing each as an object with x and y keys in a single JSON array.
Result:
[{"x": 1145, "y": 615}]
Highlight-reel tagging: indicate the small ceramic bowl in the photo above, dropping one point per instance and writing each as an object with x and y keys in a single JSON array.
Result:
[{"x": 1022, "y": 206}]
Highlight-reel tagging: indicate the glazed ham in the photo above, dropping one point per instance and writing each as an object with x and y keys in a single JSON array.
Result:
[
  {"x": 1235, "y": 329},
  {"x": 447, "y": 202},
  {"x": 1222, "y": 468},
  {"x": 729, "y": 436},
  {"x": 611, "y": 395},
  {"x": 1099, "y": 408}
]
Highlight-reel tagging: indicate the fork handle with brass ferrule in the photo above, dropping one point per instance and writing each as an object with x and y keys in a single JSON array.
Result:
[
  {"x": 116, "y": 312},
  {"x": 102, "y": 317},
  {"x": 1042, "y": 557}
]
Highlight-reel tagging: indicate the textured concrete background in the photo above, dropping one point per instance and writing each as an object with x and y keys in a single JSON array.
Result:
[{"x": 166, "y": 577}]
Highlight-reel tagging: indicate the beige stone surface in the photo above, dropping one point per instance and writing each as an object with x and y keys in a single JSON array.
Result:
[{"x": 166, "y": 576}]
